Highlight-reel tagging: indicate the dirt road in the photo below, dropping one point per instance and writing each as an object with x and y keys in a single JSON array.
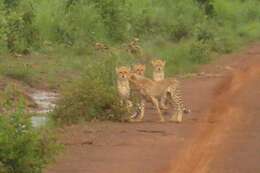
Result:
[{"x": 222, "y": 135}]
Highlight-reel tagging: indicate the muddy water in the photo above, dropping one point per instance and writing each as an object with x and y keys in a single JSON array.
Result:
[{"x": 46, "y": 103}]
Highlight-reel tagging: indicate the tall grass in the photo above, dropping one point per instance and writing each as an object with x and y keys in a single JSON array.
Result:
[
  {"x": 47, "y": 16},
  {"x": 80, "y": 23}
]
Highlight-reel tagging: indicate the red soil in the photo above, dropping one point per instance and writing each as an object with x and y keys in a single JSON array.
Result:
[{"x": 220, "y": 136}]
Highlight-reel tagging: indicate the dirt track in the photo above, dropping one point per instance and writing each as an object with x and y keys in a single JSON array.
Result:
[{"x": 220, "y": 136}]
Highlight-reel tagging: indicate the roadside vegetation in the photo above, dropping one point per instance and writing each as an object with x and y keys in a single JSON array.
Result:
[
  {"x": 24, "y": 149},
  {"x": 50, "y": 44}
]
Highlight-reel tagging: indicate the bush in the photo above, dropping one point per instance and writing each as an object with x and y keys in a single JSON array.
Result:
[
  {"x": 87, "y": 100},
  {"x": 207, "y": 5},
  {"x": 114, "y": 17},
  {"x": 186, "y": 56},
  {"x": 90, "y": 22},
  {"x": 93, "y": 96},
  {"x": 26, "y": 23},
  {"x": 11, "y": 97},
  {"x": 199, "y": 53},
  {"x": 22, "y": 148},
  {"x": 3, "y": 28},
  {"x": 48, "y": 16},
  {"x": 186, "y": 15},
  {"x": 19, "y": 32}
]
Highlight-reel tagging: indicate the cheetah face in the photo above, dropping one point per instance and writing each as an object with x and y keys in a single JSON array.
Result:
[
  {"x": 123, "y": 72},
  {"x": 158, "y": 65},
  {"x": 139, "y": 69}
]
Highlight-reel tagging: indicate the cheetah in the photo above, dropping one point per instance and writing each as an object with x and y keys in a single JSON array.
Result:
[{"x": 158, "y": 75}]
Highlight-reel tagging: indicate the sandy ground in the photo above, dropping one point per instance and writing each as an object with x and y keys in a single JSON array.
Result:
[{"x": 221, "y": 135}]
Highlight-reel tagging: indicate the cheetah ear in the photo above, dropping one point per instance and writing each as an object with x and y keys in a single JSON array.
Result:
[
  {"x": 117, "y": 69},
  {"x": 163, "y": 62},
  {"x": 128, "y": 68}
]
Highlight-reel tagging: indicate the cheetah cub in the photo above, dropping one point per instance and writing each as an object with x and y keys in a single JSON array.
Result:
[
  {"x": 158, "y": 72},
  {"x": 123, "y": 86},
  {"x": 158, "y": 75},
  {"x": 124, "y": 91},
  {"x": 139, "y": 69},
  {"x": 152, "y": 91}
]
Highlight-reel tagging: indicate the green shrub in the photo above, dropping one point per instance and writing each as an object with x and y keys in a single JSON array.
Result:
[
  {"x": 181, "y": 18},
  {"x": 225, "y": 40},
  {"x": 207, "y": 5},
  {"x": 82, "y": 20},
  {"x": 114, "y": 17},
  {"x": 93, "y": 96},
  {"x": 22, "y": 148},
  {"x": 199, "y": 53},
  {"x": 186, "y": 56},
  {"x": 79, "y": 23},
  {"x": 19, "y": 32},
  {"x": 205, "y": 31},
  {"x": 174, "y": 20},
  {"x": 142, "y": 19},
  {"x": 48, "y": 15},
  {"x": 3, "y": 28}
]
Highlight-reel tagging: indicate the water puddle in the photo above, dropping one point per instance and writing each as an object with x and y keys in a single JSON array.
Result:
[
  {"x": 39, "y": 121},
  {"x": 46, "y": 103}
]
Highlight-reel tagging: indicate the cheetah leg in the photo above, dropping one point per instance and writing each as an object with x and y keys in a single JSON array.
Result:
[
  {"x": 177, "y": 94},
  {"x": 134, "y": 115},
  {"x": 142, "y": 108},
  {"x": 156, "y": 104},
  {"x": 177, "y": 117},
  {"x": 121, "y": 102},
  {"x": 163, "y": 101},
  {"x": 129, "y": 106}
]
